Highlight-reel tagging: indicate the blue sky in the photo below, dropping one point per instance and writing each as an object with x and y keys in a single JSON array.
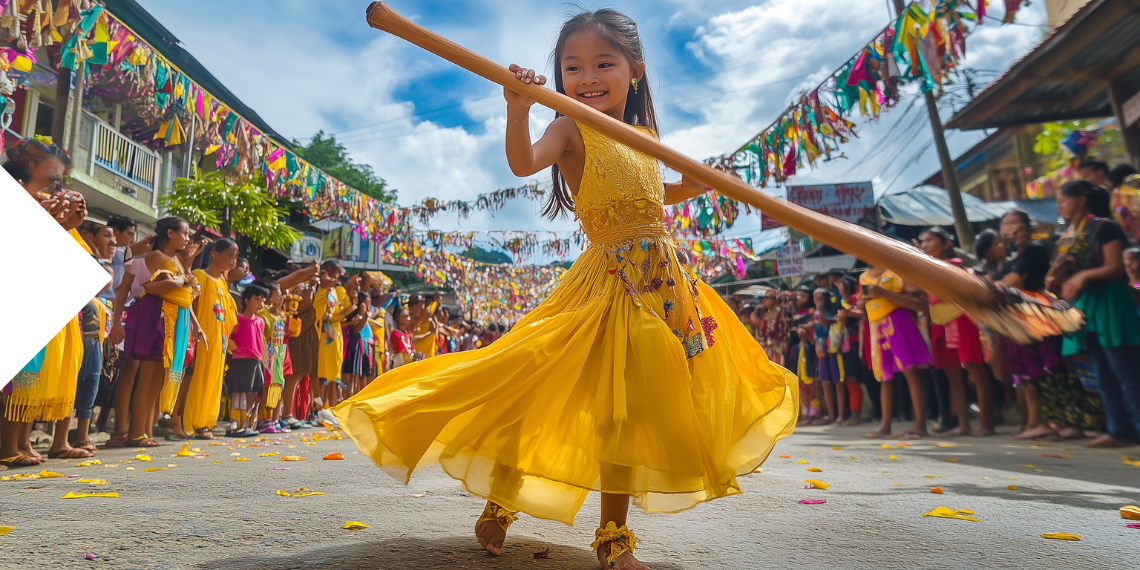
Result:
[{"x": 721, "y": 71}]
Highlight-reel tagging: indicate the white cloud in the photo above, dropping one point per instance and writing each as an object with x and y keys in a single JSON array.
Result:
[{"x": 732, "y": 66}]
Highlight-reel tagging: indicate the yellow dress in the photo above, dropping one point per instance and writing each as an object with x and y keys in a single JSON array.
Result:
[
  {"x": 331, "y": 353},
  {"x": 217, "y": 314},
  {"x": 425, "y": 345},
  {"x": 632, "y": 377}
]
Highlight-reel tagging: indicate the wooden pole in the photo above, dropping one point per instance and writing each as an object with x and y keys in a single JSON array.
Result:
[
  {"x": 942, "y": 279},
  {"x": 962, "y": 225}
]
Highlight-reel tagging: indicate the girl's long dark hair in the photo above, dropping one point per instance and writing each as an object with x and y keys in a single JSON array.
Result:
[
  {"x": 162, "y": 231},
  {"x": 621, "y": 31}
]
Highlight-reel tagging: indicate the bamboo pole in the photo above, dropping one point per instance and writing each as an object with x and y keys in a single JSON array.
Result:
[{"x": 942, "y": 279}]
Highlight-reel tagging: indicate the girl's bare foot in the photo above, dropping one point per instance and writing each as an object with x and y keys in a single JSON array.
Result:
[
  {"x": 1036, "y": 432},
  {"x": 27, "y": 451},
  {"x": 1070, "y": 433},
  {"x": 1109, "y": 441},
  {"x": 915, "y": 433},
  {"x": 957, "y": 432},
  {"x": 879, "y": 434},
  {"x": 851, "y": 421},
  {"x": 983, "y": 432},
  {"x": 490, "y": 535},
  {"x": 624, "y": 562}
]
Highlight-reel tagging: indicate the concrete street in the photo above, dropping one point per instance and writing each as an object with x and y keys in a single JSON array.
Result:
[{"x": 214, "y": 512}]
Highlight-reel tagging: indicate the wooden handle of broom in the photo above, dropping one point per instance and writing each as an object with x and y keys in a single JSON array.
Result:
[{"x": 940, "y": 278}]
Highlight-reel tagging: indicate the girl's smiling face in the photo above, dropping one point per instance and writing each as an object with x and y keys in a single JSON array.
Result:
[{"x": 596, "y": 73}]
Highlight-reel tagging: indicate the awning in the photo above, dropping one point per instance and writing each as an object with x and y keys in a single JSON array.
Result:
[
  {"x": 1068, "y": 75},
  {"x": 930, "y": 206}
]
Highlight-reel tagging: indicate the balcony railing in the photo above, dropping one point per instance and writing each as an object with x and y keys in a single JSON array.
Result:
[{"x": 123, "y": 156}]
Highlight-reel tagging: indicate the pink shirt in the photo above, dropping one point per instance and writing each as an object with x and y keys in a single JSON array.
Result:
[
  {"x": 248, "y": 337},
  {"x": 141, "y": 273}
]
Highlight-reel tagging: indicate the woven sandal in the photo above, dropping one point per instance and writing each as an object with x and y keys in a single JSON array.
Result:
[
  {"x": 616, "y": 540},
  {"x": 498, "y": 514}
]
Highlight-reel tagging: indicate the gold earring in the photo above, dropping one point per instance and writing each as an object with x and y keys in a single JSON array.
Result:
[{"x": 634, "y": 83}]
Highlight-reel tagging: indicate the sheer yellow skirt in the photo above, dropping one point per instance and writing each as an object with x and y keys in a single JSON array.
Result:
[{"x": 591, "y": 391}]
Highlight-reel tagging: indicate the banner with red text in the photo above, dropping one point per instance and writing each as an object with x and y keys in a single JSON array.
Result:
[{"x": 851, "y": 202}]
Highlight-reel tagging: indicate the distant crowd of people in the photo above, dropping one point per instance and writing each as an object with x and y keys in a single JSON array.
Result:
[{"x": 842, "y": 332}]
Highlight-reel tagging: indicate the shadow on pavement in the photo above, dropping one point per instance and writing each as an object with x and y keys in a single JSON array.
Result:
[{"x": 411, "y": 552}]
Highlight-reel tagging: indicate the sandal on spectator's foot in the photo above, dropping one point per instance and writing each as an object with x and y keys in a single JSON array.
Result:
[
  {"x": 116, "y": 441},
  {"x": 611, "y": 542},
  {"x": 69, "y": 453},
  {"x": 141, "y": 441},
  {"x": 18, "y": 461}
]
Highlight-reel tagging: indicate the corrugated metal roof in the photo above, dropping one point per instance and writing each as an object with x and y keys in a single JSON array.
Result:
[
  {"x": 930, "y": 206},
  {"x": 1043, "y": 97}
]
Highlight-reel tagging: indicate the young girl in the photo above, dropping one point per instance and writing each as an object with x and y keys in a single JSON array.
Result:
[
  {"x": 632, "y": 378},
  {"x": 957, "y": 344},
  {"x": 403, "y": 350},
  {"x": 896, "y": 344},
  {"x": 158, "y": 329},
  {"x": 332, "y": 303},
  {"x": 245, "y": 374},
  {"x": 827, "y": 352},
  {"x": 217, "y": 315}
]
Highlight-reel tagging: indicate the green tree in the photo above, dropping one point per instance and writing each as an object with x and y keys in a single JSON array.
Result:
[
  {"x": 243, "y": 207},
  {"x": 332, "y": 157},
  {"x": 1048, "y": 141}
]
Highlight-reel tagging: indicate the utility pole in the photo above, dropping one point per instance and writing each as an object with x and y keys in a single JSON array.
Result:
[{"x": 949, "y": 177}]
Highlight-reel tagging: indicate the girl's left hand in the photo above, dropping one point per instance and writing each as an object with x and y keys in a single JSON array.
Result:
[{"x": 1073, "y": 287}]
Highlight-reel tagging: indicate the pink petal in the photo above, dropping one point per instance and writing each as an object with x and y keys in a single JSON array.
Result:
[
  {"x": 282, "y": 468},
  {"x": 1133, "y": 525},
  {"x": 813, "y": 501}
]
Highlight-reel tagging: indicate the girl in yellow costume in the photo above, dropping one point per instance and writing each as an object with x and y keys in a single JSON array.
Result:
[
  {"x": 632, "y": 378},
  {"x": 331, "y": 304},
  {"x": 217, "y": 315}
]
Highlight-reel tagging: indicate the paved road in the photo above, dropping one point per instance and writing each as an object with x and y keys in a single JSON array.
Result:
[{"x": 227, "y": 515}]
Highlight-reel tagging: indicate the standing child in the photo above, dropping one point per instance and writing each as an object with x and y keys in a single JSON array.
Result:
[
  {"x": 662, "y": 395},
  {"x": 896, "y": 345},
  {"x": 402, "y": 347},
  {"x": 828, "y": 341},
  {"x": 246, "y": 373}
]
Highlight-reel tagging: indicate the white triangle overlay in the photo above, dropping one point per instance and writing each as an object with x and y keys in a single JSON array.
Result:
[{"x": 45, "y": 280}]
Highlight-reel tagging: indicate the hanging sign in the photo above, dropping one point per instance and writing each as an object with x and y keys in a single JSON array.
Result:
[{"x": 851, "y": 202}]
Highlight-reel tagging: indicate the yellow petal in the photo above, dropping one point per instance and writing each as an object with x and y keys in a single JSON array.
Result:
[
  {"x": 151, "y": 469},
  {"x": 143, "y": 457},
  {"x": 782, "y": 456},
  {"x": 1027, "y": 466},
  {"x": 267, "y": 454},
  {"x": 355, "y": 525},
  {"x": 1131, "y": 512},
  {"x": 45, "y": 474},
  {"x": 1011, "y": 487},
  {"x": 185, "y": 451},
  {"x": 837, "y": 447},
  {"x": 284, "y": 493},
  {"x": 893, "y": 457},
  {"x": 94, "y": 481},
  {"x": 952, "y": 459},
  {"x": 291, "y": 458},
  {"x": 1061, "y": 536},
  {"x": 130, "y": 468},
  {"x": 885, "y": 446},
  {"x": 817, "y": 484},
  {"x": 946, "y": 513},
  {"x": 815, "y": 469},
  {"x": 945, "y": 445},
  {"x": 929, "y": 476},
  {"x": 802, "y": 461},
  {"x": 6, "y": 529},
  {"x": 74, "y": 495}
]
